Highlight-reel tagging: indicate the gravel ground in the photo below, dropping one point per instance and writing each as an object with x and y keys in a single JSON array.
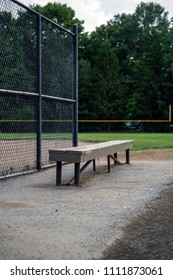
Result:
[
  {"x": 41, "y": 221},
  {"x": 149, "y": 234}
]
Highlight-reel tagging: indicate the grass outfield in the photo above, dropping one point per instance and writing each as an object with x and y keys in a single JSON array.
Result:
[
  {"x": 32, "y": 136},
  {"x": 142, "y": 141}
]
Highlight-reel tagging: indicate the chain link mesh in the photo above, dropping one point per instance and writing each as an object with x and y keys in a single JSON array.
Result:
[
  {"x": 57, "y": 80},
  {"x": 18, "y": 44},
  {"x": 57, "y": 61},
  {"x": 19, "y": 73},
  {"x": 56, "y": 126},
  {"x": 18, "y": 137}
]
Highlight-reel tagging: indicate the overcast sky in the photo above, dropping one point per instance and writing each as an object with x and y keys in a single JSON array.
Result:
[{"x": 97, "y": 12}]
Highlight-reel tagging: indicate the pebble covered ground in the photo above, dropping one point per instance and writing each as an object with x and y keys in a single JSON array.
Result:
[
  {"x": 39, "y": 220},
  {"x": 148, "y": 235}
]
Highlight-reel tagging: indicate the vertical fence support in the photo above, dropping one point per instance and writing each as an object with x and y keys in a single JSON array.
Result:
[
  {"x": 75, "y": 87},
  {"x": 39, "y": 90}
]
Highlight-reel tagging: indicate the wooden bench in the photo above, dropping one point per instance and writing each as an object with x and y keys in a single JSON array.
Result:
[{"x": 88, "y": 154}]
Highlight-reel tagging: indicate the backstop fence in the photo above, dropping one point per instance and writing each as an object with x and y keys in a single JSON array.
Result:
[{"x": 38, "y": 88}]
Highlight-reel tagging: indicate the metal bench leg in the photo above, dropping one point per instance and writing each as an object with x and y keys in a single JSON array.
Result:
[
  {"x": 77, "y": 173},
  {"x": 58, "y": 172},
  {"x": 127, "y": 156}
]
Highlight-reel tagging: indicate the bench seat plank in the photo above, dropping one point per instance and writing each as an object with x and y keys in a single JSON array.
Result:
[{"x": 89, "y": 152}]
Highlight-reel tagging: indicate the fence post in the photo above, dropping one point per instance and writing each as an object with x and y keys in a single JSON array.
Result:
[
  {"x": 39, "y": 91},
  {"x": 75, "y": 87}
]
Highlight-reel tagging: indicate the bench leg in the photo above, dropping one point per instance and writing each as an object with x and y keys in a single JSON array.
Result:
[
  {"x": 116, "y": 157},
  {"x": 127, "y": 156},
  {"x": 58, "y": 172},
  {"x": 94, "y": 165},
  {"x": 77, "y": 173},
  {"x": 109, "y": 163}
]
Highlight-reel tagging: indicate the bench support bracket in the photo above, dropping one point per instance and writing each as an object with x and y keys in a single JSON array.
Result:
[{"x": 78, "y": 171}]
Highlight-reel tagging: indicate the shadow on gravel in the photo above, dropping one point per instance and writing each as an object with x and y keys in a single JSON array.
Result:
[{"x": 149, "y": 235}]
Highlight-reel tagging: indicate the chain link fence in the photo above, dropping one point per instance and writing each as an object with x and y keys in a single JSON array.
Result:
[{"x": 38, "y": 88}]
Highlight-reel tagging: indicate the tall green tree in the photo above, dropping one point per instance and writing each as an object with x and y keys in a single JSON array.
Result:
[
  {"x": 107, "y": 96},
  {"x": 61, "y": 14},
  {"x": 85, "y": 88},
  {"x": 148, "y": 99}
]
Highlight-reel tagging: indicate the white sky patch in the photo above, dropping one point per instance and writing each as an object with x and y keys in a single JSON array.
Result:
[{"x": 98, "y": 12}]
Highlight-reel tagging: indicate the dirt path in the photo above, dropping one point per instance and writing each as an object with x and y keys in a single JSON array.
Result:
[{"x": 149, "y": 235}]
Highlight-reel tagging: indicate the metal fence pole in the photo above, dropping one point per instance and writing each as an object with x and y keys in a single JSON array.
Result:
[
  {"x": 75, "y": 95},
  {"x": 39, "y": 90}
]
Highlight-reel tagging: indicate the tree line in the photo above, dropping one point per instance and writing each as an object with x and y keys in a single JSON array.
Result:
[
  {"x": 126, "y": 68},
  {"x": 125, "y": 65}
]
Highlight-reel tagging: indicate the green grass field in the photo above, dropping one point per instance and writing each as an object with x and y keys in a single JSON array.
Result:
[
  {"x": 141, "y": 140},
  {"x": 32, "y": 136}
]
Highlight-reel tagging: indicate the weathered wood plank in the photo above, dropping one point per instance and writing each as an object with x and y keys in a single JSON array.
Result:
[{"x": 89, "y": 152}]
